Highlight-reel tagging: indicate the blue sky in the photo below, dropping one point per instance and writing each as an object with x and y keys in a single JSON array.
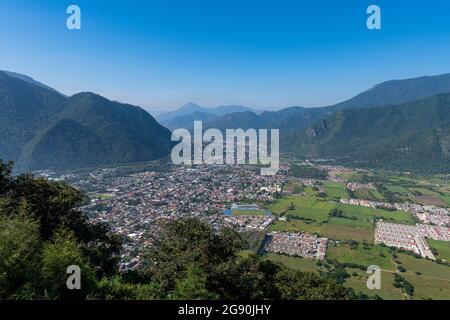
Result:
[{"x": 270, "y": 54}]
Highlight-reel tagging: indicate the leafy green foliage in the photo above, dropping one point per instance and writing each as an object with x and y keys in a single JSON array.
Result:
[
  {"x": 193, "y": 286},
  {"x": 190, "y": 249},
  {"x": 54, "y": 205},
  {"x": 57, "y": 256},
  {"x": 19, "y": 256},
  {"x": 307, "y": 286}
]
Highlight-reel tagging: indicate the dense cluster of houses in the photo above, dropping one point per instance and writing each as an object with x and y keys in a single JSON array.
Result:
[{"x": 297, "y": 244}]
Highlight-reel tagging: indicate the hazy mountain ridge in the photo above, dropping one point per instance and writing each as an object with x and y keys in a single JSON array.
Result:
[
  {"x": 187, "y": 121},
  {"x": 392, "y": 92},
  {"x": 194, "y": 112},
  {"x": 239, "y": 120},
  {"x": 43, "y": 129}
]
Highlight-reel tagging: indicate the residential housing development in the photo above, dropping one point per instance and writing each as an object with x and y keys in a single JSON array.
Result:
[
  {"x": 411, "y": 238},
  {"x": 297, "y": 244}
]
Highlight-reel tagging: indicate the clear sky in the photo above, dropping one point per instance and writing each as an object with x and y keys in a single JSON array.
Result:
[{"x": 162, "y": 54}]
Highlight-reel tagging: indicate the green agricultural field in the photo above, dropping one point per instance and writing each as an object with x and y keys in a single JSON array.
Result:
[
  {"x": 304, "y": 206},
  {"x": 358, "y": 212},
  {"x": 397, "y": 189},
  {"x": 296, "y": 226},
  {"x": 442, "y": 247},
  {"x": 363, "y": 255},
  {"x": 335, "y": 190},
  {"x": 395, "y": 216},
  {"x": 358, "y": 282},
  {"x": 350, "y": 222},
  {"x": 350, "y": 176},
  {"x": 445, "y": 198},
  {"x": 363, "y": 194},
  {"x": 342, "y": 232},
  {"x": 428, "y": 288},
  {"x": 427, "y": 268},
  {"x": 366, "y": 214},
  {"x": 428, "y": 196},
  {"x": 310, "y": 192},
  {"x": 301, "y": 264},
  {"x": 293, "y": 187},
  {"x": 369, "y": 195},
  {"x": 329, "y": 230},
  {"x": 424, "y": 191},
  {"x": 376, "y": 195},
  {"x": 403, "y": 179}
]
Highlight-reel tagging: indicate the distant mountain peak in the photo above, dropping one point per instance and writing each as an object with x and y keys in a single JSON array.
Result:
[
  {"x": 87, "y": 95},
  {"x": 191, "y": 106}
]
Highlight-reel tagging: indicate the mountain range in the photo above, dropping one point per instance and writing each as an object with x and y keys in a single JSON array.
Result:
[
  {"x": 296, "y": 118},
  {"x": 187, "y": 114},
  {"x": 414, "y": 136},
  {"x": 399, "y": 124},
  {"x": 41, "y": 128},
  {"x": 392, "y": 92}
]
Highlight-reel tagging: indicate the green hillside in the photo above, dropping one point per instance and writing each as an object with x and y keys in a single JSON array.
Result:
[
  {"x": 40, "y": 128},
  {"x": 414, "y": 136}
]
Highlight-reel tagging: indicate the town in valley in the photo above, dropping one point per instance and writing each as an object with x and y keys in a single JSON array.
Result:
[{"x": 340, "y": 222}]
